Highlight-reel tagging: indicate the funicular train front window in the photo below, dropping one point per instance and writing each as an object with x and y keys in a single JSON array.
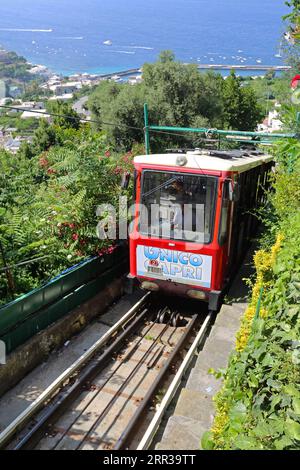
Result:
[{"x": 177, "y": 206}]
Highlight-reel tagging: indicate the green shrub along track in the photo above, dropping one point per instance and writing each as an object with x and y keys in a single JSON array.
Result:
[{"x": 259, "y": 404}]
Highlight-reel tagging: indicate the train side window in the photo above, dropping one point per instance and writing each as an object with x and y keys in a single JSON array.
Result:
[{"x": 223, "y": 231}]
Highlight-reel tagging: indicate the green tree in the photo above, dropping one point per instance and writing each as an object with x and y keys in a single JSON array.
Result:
[
  {"x": 241, "y": 109},
  {"x": 166, "y": 56},
  {"x": 65, "y": 116},
  {"x": 176, "y": 93},
  {"x": 26, "y": 150},
  {"x": 43, "y": 138}
]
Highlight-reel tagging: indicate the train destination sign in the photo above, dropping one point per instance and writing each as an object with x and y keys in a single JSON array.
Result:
[{"x": 177, "y": 266}]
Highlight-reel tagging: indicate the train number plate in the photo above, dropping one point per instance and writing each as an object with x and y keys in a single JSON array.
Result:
[{"x": 154, "y": 270}]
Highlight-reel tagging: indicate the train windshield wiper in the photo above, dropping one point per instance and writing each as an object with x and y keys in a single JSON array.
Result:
[{"x": 160, "y": 186}]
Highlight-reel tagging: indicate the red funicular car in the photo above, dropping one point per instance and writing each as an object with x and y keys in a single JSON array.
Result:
[{"x": 194, "y": 218}]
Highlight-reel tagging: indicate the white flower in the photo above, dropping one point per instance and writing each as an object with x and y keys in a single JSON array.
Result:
[{"x": 69, "y": 256}]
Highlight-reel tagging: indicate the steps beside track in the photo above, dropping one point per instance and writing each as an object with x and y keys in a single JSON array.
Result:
[{"x": 193, "y": 413}]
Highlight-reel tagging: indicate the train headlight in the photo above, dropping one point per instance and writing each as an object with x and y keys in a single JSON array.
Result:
[
  {"x": 181, "y": 160},
  {"x": 196, "y": 294},
  {"x": 147, "y": 285}
]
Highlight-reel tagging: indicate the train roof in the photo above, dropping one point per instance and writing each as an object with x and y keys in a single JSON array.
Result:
[{"x": 213, "y": 160}]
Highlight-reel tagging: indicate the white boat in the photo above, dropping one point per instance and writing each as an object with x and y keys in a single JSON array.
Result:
[
  {"x": 279, "y": 53},
  {"x": 117, "y": 79},
  {"x": 108, "y": 42}
]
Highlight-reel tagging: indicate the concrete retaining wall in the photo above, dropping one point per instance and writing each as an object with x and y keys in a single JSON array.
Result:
[{"x": 36, "y": 350}]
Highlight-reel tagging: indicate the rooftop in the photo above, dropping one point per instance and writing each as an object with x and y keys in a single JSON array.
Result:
[
  {"x": 234, "y": 160},
  {"x": 37, "y": 114}
]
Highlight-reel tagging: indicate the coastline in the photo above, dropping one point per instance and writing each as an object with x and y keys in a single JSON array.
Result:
[{"x": 46, "y": 73}]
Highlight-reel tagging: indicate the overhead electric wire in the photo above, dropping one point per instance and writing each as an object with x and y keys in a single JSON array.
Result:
[
  {"x": 74, "y": 118},
  {"x": 94, "y": 121},
  {"x": 170, "y": 133},
  {"x": 23, "y": 263}
]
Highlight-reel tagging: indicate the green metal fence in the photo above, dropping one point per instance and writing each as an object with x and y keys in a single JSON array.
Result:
[
  {"x": 237, "y": 136},
  {"x": 31, "y": 313}
]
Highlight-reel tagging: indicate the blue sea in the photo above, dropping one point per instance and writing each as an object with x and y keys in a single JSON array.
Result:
[{"x": 68, "y": 35}]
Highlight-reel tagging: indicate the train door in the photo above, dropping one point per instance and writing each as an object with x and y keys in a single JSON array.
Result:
[{"x": 225, "y": 229}]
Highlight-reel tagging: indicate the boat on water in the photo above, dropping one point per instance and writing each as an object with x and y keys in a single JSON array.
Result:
[
  {"x": 280, "y": 51},
  {"x": 108, "y": 42},
  {"x": 116, "y": 78}
]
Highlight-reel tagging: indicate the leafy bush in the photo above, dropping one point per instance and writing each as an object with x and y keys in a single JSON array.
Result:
[
  {"x": 259, "y": 404},
  {"x": 48, "y": 205}
]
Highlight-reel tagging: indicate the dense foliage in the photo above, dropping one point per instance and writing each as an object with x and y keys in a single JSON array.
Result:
[
  {"x": 271, "y": 90},
  {"x": 48, "y": 199},
  {"x": 177, "y": 95},
  {"x": 293, "y": 16},
  {"x": 13, "y": 66},
  {"x": 241, "y": 108},
  {"x": 14, "y": 120},
  {"x": 259, "y": 405}
]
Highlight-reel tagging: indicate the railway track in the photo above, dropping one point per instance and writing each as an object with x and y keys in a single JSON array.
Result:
[{"x": 113, "y": 397}]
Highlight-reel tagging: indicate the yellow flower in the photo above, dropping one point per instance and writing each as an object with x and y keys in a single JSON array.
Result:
[{"x": 264, "y": 263}]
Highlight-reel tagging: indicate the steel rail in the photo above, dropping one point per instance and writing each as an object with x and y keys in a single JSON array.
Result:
[
  {"x": 54, "y": 410},
  {"x": 128, "y": 433},
  {"x": 123, "y": 385},
  {"x": 34, "y": 407},
  {"x": 152, "y": 428}
]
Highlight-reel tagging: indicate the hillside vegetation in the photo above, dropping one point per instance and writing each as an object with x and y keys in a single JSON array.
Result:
[
  {"x": 177, "y": 95},
  {"x": 13, "y": 66},
  {"x": 259, "y": 404},
  {"x": 49, "y": 194}
]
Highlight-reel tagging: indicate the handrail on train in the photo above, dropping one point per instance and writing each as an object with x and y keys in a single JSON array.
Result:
[{"x": 238, "y": 136}]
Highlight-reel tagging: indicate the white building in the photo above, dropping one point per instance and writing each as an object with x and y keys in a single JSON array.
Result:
[
  {"x": 12, "y": 145},
  {"x": 65, "y": 97},
  {"x": 135, "y": 80},
  {"x": 272, "y": 123},
  {"x": 65, "y": 88},
  {"x": 27, "y": 105},
  {"x": 37, "y": 114}
]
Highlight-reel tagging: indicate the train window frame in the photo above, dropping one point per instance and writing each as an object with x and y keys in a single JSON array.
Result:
[
  {"x": 224, "y": 240},
  {"x": 144, "y": 171}
]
